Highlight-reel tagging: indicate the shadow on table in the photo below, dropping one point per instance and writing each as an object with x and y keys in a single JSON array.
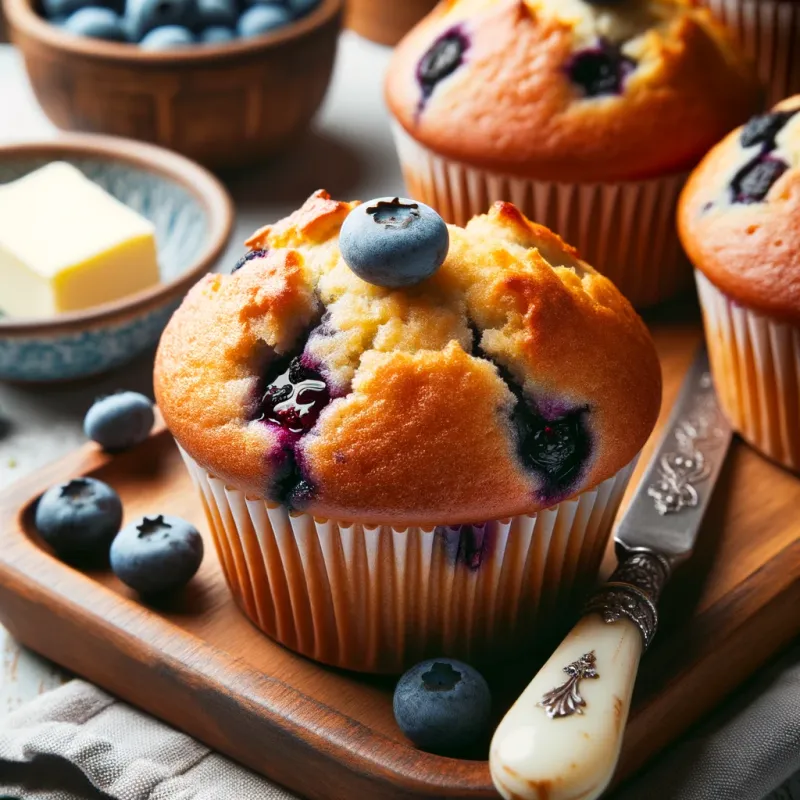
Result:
[
  {"x": 73, "y": 398},
  {"x": 318, "y": 160},
  {"x": 46, "y": 776}
]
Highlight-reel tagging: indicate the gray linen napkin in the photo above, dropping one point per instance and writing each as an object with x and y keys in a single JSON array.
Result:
[{"x": 79, "y": 743}]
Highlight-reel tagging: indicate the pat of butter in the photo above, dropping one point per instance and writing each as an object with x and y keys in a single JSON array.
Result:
[{"x": 66, "y": 244}]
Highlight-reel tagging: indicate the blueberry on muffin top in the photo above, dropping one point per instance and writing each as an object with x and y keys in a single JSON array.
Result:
[
  {"x": 570, "y": 89},
  {"x": 739, "y": 215},
  {"x": 513, "y": 377}
]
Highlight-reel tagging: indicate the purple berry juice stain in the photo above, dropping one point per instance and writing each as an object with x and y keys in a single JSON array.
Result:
[
  {"x": 552, "y": 439},
  {"x": 291, "y": 396},
  {"x": 295, "y": 398},
  {"x": 466, "y": 544}
]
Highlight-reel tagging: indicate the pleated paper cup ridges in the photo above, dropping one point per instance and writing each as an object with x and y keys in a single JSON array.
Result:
[
  {"x": 755, "y": 361},
  {"x": 379, "y": 599},
  {"x": 624, "y": 230},
  {"x": 769, "y": 32}
]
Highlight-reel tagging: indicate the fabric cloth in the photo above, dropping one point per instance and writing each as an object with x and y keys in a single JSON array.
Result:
[
  {"x": 79, "y": 743},
  {"x": 745, "y": 750}
]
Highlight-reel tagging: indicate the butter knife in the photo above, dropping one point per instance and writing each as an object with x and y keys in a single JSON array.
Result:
[{"x": 561, "y": 739}]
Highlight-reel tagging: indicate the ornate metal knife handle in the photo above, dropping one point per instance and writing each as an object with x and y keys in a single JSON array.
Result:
[{"x": 632, "y": 591}]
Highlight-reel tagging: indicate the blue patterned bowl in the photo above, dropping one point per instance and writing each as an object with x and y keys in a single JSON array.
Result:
[{"x": 193, "y": 216}]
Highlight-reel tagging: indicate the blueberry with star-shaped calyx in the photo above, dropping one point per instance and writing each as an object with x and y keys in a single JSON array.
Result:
[
  {"x": 79, "y": 517},
  {"x": 157, "y": 554},
  {"x": 393, "y": 242}
]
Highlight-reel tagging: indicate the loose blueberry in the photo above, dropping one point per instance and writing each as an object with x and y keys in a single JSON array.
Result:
[
  {"x": 261, "y": 19},
  {"x": 252, "y": 255},
  {"x": 443, "y": 705},
  {"x": 218, "y": 34},
  {"x": 295, "y": 397},
  {"x": 393, "y": 242},
  {"x": 79, "y": 518},
  {"x": 601, "y": 70},
  {"x": 300, "y": 8},
  {"x": 167, "y": 37},
  {"x": 752, "y": 183},
  {"x": 119, "y": 421},
  {"x": 216, "y": 13},
  {"x": 157, "y": 554},
  {"x": 764, "y": 128},
  {"x": 96, "y": 23},
  {"x": 143, "y": 16},
  {"x": 441, "y": 59}
]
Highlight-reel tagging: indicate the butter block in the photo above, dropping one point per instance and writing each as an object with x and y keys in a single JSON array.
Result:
[{"x": 66, "y": 245}]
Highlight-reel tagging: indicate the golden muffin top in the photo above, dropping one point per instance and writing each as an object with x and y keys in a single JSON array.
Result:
[
  {"x": 513, "y": 378},
  {"x": 569, "y": 89},
  {"x": 739, "y": 214}
]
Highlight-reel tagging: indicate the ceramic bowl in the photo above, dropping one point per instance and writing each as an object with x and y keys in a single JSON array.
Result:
[
  {"x": 223, "y": 105},
  {"x": 193, "y": 216}
]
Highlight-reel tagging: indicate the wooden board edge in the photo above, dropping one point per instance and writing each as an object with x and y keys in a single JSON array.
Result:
[
  {"x": 30, "y": 611},
  {"x": 49, "y": 606}
]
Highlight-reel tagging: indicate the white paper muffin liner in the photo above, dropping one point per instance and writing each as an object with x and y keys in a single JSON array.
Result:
[
  {"x": 378, "y": 599},
  {"x": 624, "y": 230},
  {"x": 755, "y": 361},
  {"x": 769, "y": 32}
]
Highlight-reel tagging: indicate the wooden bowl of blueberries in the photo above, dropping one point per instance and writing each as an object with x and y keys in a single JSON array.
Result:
[{"x": 225, "y": 82}]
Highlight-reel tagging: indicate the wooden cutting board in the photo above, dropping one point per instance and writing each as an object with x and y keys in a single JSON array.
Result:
[{"x": 199, "y": 665}]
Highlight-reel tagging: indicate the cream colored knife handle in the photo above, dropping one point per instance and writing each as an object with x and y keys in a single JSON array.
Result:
[
  {"x": 561, "y": 739},
  {"x": 571, "y": 757}
]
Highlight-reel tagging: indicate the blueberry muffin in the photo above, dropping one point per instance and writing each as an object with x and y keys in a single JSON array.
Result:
[
  {"x": 739, "y": 220},
  {"x": 769, "y": 33},
  {"x": 586, "y": 115},
  {"x": 410, "y": 438}
]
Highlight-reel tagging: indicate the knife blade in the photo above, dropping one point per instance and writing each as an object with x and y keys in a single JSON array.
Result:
[
  {"x": 665, "y": 514},
  {"x": 562, "y": 737}
]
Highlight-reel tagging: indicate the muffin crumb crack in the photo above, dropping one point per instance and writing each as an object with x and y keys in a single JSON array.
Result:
[{"x": 310, "y": 385}]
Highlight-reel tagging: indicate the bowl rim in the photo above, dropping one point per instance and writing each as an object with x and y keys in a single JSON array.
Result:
[
  {"x": 21, "y": 15},
  {"x": 207, "y": 190}
]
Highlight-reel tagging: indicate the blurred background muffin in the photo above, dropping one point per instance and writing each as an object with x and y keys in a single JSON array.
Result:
[
  {"x": 397, "y": 466},
  {"x": 585, "y": 115},
  {"x": 769, "y": 32},
  {"x": 739, "y": 221}
]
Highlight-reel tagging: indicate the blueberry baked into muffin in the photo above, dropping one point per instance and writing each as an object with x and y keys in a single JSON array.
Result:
[
  {"x": 739, "y": 220},
  {"x": 410, "y": 438},
  {"x": 586, "y": 115}
]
